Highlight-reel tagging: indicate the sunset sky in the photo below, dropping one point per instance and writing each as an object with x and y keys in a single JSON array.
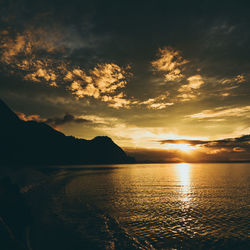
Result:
[{"x": 166, "y": 80}]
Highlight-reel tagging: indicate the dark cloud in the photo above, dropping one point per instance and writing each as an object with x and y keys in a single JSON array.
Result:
[
  {"x": 238, "y": 144},
  {"x": 190, "y": 142},
  {"x": 55, "y": 121},
  {"x": 68, "y": 118},
  {"x": 227, "y": 150}
]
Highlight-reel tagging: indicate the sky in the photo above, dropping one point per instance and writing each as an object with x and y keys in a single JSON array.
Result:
[{"x": 166, "y": 80}]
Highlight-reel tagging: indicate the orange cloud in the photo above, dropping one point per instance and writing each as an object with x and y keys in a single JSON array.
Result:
[{"x": 25, "y": 117}]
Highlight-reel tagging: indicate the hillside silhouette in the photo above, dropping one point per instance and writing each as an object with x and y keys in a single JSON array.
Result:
[{"x": 31, "y": 142}]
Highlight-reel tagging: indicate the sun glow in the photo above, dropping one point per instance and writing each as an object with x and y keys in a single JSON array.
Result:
[{"x": 181, "y": 146}]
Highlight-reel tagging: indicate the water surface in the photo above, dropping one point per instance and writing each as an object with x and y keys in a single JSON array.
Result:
[{"x": 145, "y": 206}]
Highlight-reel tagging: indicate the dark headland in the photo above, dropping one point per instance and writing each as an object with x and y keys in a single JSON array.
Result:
[{"x": 36, "y": 143}]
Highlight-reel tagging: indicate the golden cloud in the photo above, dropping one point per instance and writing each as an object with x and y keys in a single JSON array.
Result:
[
  {"x": 28, "y": 42},
  {"x": 25, "y": 117},
  {"x": 22, "y": 52},
  {"x": 31, "y": 53},
  {"x": 40, "y": 56},
  {"x": 170, "y": 63},
  {"x": 222, "y": 112},
  {"x": 237, "y": 79},
  {"x": 159, "y": 102},
  {"x": 104, "y": 82},
  {"x": 118, "y": 101},
  {"x": 189, "y": 91}
]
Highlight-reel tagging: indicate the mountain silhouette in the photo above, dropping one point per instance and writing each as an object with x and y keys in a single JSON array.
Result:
[{"x": 31, "y": 142}]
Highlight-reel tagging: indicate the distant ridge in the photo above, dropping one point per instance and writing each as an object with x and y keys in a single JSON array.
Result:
[{"x": 31, "y": 142}]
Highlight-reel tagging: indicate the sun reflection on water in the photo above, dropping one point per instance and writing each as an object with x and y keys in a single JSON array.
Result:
[{"x": 183, "y": 178}]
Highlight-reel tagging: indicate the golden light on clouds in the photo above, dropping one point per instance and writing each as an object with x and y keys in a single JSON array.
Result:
[
  {"x": 190, "y": 91},
  {"x": 42, "y": 60},
  {"x": 104, "y": 82},
  {"x": 32, "y": 53},
  {"x": 183, "y": 147},
  {"x": 237, "y": 79},
  {"x": 222, "y": 112},
  {"x": 170, "y": 63}
]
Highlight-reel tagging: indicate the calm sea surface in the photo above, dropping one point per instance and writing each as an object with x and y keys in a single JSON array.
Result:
[{"x": 153, "y": 206}]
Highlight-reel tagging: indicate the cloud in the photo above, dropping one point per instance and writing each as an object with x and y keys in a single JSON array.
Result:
[
  {"x": 104, "y": 82},
  {"x": 25, "y": 117},
  {"x": 183, "y": 141},
  {"x": 36, "y": 53},
  {"x": 237, "y": 79},
  {"x": 55, "y": 121},
  {"x": 189, "y": 91},
  {"x": 170, "y": 63},
  {"x": 197, "y": 155},
  {"x": 159, "y": 102},
  {"x": 41, "y": 55},
  {"x": 37, "y": 41},
  {"x": 118, "y": 101},
  {"x": 43, "y": 74},
  {"x": 67, "y": 118},
  {"x": 28, "y": 42},
  {"x": 225, "y": 150},
  {"x": 238, "y": 144},
  {"x": 104, "y": 78},
  {"x": 195, "y": 82},
  {"x": 222, "y": 112}
]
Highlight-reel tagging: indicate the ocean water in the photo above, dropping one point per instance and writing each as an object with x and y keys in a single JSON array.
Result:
[{"x": 142, "y": 206}]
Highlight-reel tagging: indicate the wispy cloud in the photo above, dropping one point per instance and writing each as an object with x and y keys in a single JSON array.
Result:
[
  {"x": 237, "y": 79},
  {"x": 184, "y": 141},
  {"x": 159, "y": 102},
  {"x": 222, "y": 112}
]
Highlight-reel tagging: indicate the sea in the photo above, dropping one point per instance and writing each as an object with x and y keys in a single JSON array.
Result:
[{"x": 138, "y": 206}]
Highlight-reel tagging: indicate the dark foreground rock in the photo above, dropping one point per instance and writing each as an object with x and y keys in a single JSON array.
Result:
[{"x": 15, "y": 217}]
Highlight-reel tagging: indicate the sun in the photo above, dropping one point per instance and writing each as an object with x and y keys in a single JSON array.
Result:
[
  {"x": 181, "y": 146},
  {"x": 184, "y": 147}
]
